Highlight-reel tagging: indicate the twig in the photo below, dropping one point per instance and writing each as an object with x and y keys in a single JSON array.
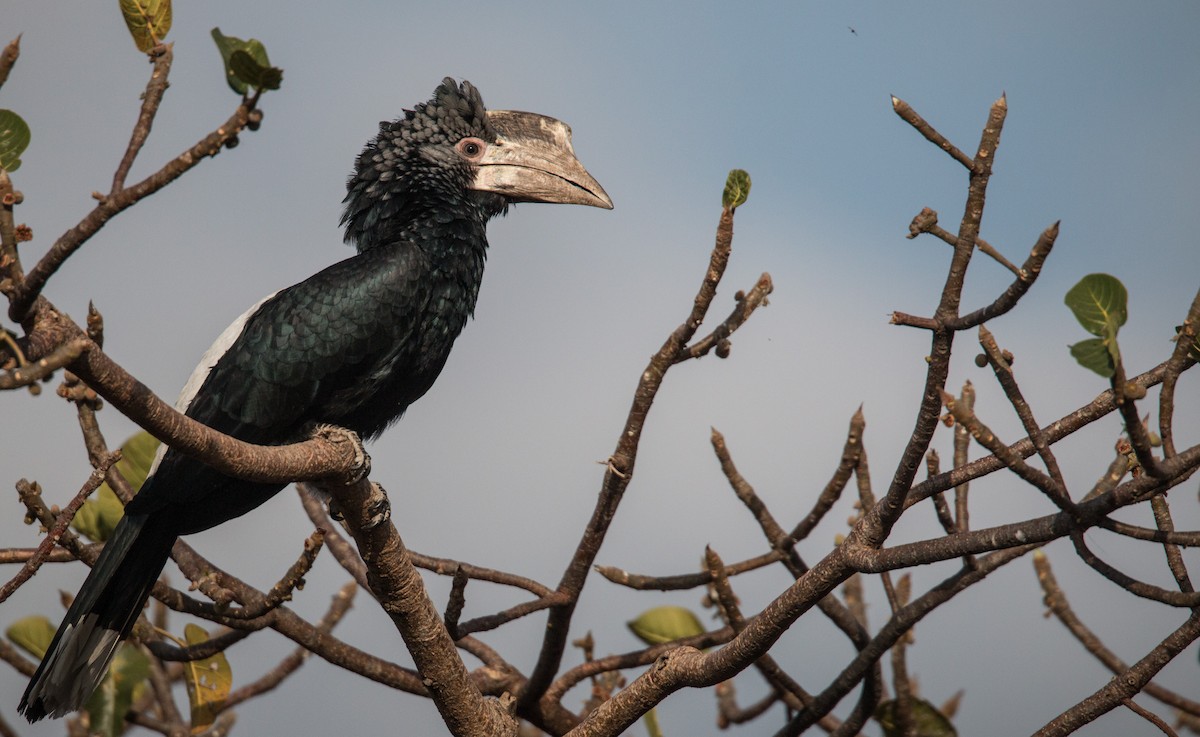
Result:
[
  {"x": 1162, "y": 518},
  {"x": 897, "y": 627},
  {"x": 641, "y": 582},
  {"x": 1056, "y": 602},
  {"x": 851, "y": 451},
  {"x": 1189, "y": 538},
  {"x": 779, "y": 540},
  {"x": 19, "y": 662},
  {"x": 876, "y": 526},
  {"x": 910, "y": 116},
  {"x": 788, "y": 689},
  {"x": 1101, "y": 406},
  {"x": 620, "y": 469},
  {"x": 329, "y": 453},
  {"x": 637, "y": 658},
  {"x": 1126, "y": 684},
  {"x": 962, "y": 448},
  {"x": 941, "y": 509},
  {"x": 60, "y": 526},
  {"x": 1002, "y": 368},
  {"x": 729, "y": 713},
  {"x": 1150, "y": 717},
  {"x": 1185, "y": 599},
  {"x": 342, "y": 601},
  {"x": 43, "y": 367},
  {"x": 282, "y": 590},
  {"x": 1008, "y": 299},
  {"x": 746, "y": 304},
  {"x": 161, "y": 57},
  {"x": 8, "y": 58},
  {"x": 343, "y": 552},
  {"x": 985, "y": 437},
  {"x": 1139, "y": 437},
  {"x": 926, "y": 222},
  {"x": 168, "y": 651},
  {"x": 28, "y": 290},
  {"x": 8, "y": 556},
  {"x": 1181, "y": 358}
]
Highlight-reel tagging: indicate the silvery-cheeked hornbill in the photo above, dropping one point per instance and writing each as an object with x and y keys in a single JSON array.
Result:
[{"x": 351, "y": 346}]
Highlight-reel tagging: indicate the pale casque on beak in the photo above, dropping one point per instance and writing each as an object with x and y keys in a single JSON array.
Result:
[{"x": 533, "y": 161}]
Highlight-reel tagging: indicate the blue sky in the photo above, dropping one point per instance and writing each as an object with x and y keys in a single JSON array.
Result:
[{"x": 497, "y": 464}]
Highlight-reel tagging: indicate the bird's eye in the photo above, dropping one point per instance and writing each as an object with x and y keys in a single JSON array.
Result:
[{"x": 471, "y": 148}]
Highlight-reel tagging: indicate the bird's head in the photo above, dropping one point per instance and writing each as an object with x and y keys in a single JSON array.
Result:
[{"x": 452, "y": 151}]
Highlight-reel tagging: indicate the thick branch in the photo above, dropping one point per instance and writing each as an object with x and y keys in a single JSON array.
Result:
[{"x": 400, "y": 591}]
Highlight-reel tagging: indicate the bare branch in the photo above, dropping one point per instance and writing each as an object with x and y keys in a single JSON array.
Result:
[
  {"x": 621, "y": 466},
  {"x": 1126, "y": 684},
  {"x": 399, "y": 589},
  {"x": 161, "y": 57},
  {"x": 1057, "y": 602},
  {"x": 8, "y": 58},
  {"x": 60, "y": 526},
  {"x": 22, "y": 301},
  {"x": 910, "y": 116}
]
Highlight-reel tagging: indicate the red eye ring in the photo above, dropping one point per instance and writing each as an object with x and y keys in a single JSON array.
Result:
[{"x": 471, "y": 149}]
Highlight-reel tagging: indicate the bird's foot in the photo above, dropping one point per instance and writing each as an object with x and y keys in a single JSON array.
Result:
[
  {"x": 378, "y": 508},
  {"x": 361, "y": 465}
]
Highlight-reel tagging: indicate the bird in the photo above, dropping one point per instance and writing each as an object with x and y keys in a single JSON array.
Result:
[{"x": 351, "y": 346}]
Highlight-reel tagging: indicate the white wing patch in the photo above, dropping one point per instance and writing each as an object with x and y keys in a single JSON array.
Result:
[{"x": 207, "y": 361}]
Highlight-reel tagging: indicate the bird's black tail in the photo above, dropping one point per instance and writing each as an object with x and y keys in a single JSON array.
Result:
[{"x": 101, "y": 616}]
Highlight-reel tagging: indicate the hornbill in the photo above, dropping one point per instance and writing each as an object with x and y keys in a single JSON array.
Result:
[{"x": 352, "y": 346}]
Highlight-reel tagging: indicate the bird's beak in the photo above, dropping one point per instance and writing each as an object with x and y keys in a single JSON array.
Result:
[{"x": 533, "y": 161}]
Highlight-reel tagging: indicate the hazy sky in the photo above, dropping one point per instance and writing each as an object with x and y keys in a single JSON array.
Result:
[{"x": 497, "y": 465}]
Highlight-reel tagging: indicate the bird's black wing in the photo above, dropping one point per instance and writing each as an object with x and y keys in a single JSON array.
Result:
[
  {"x": 312, "y": 341},
  {"x": 305, "y": 355}
]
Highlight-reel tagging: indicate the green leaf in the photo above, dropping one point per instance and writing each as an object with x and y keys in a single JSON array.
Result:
[
  {"x": 148, "y": 21},
  {"x": 737, "y": 189},
  {"x": 209, "y": 681},
  {"x": 124, "y": 683},
  {"x": 666, "y": 624},
  {"x": 246, "y": 64},
  {"x": 651, "y": 722},
  {"x": 1100, "y": 303},
  {"x": 1095, "y": 354},
  {"x": 32, "y": 634},
  {"x": 14, "y": 139},
  {"x": 927, "y": 720},
  {"x": 98, "y": 516}
]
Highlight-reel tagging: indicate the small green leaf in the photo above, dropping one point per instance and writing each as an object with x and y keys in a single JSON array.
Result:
[
  {"x": 927, "y": 720},
  {"x": 246, "y": 64},
  {"x": 247, "y": 69},
  {"x": 1100, "y": 303},
  {"x": 1094, "y": 354},
  {"x": 665, "y": 624},
  {"x": 209, "y": 681},
  {"x": 651, "y": 722},
  {"x": 32, "y": 634},
  {"x": 737, "y": 189},
  {"x": 125, "y": 681},
  {"x": 149, "y": 21},
  {"x": 98, "y": 516},
  {"x": 14, "y": 139}
]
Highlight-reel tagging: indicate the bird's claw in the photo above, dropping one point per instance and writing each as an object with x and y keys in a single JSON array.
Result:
[
  {"x": 378, "y": 508},
  {"x": 361, "y": 465}
]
